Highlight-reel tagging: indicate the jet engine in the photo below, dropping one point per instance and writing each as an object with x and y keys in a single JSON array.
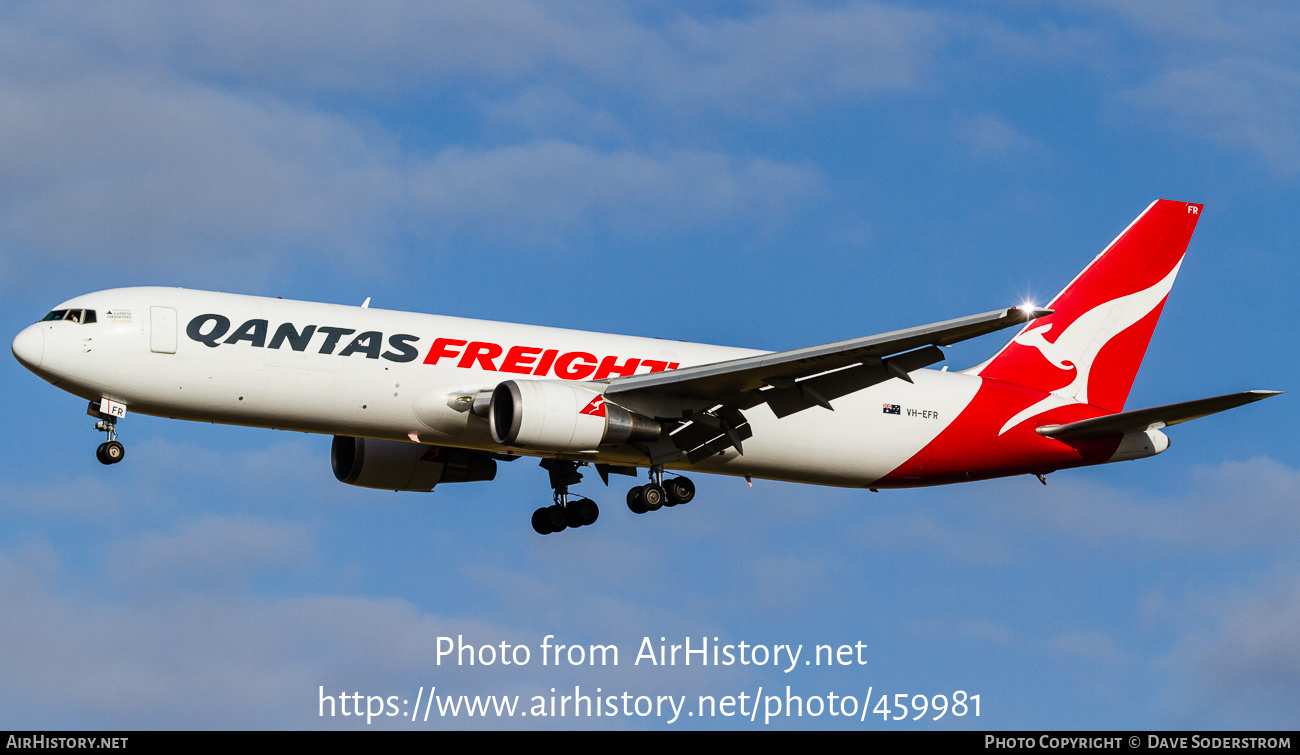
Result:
[
  {"x": 1140, "y": 444},
  {"x": 393, "y": 465},
  {"x": 551, "y": 415}
]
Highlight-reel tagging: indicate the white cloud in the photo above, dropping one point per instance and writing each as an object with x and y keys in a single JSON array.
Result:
[
  {"x": 780, "y": 55},
  {"x": 989, "y": 137},
  {"x": 550, "y": 112},
  {"x": 80, "y": 497},
  {"x": 1035, "y": 41},
  {"x": 1233, "y": 507},
  {"x": 212, "y": 553},
  {"x": 787, "y": 582},
  {"x": 795, "y": 55},
  {"x": 1244, "y": 103},
  {"x": 171, "y": 635},
  {"x": 988, "y": 631},
  {"x": 1088, "y": 645},
  {"x": 163, "y": 172},
  {"x": 172, "y": 176},
  {"x": 1191, "y": 26},
  {"x": 330, "y": 46},
  {"x": 552, "y": 190},
  {"x": 927, "y": 531},
  {"x": 1238, "y": 659}
]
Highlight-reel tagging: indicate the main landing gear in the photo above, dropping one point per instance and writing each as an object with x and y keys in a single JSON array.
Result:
[
  {"x": 110, "y": 452},
  {"x": 658, "y": 492},
  {"x": 565, "y": 512},
  {"x": 569, "y": 512}
]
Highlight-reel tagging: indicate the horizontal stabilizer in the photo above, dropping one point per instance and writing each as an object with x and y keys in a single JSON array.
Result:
[{"x": 1157, "y": 416}]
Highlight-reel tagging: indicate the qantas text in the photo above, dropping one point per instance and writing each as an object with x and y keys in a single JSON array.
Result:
[{"x": 214, "y": 330}]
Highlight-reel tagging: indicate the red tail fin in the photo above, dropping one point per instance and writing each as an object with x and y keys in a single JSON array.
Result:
[{"x": 1090, "y": 348}]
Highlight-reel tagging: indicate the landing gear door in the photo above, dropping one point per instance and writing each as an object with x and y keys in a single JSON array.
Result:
[{"x": 162, "y": 330}]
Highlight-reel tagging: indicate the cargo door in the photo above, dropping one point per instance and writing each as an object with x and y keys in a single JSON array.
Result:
[{"x": 162, "y": 330}]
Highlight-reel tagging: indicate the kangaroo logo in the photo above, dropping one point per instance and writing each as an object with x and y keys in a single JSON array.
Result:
[
  {"x": 1034, "y": 338},
  {"x": 1077, "y": 346},
  {"x": 596, "y": 408}
]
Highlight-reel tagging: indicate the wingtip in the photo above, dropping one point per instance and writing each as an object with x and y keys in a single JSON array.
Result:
[{"x": 1030, "y": 312}]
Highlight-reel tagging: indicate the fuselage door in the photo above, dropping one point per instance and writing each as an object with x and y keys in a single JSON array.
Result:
[{"x": 162, "y": 330}]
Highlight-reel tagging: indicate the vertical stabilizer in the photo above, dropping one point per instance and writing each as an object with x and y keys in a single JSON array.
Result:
[{"x": 1090, "y": 348}]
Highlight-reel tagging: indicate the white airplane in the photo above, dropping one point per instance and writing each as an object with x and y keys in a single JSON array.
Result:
[{"x": 414, "y": 400}]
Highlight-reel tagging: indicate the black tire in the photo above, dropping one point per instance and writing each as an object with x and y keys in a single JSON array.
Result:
[
  {"x": 680, "y": 490},
  {"x": 114, "y": 451},
  {"x": 556, "y": 518},
  {"x": 542, "y": 521},
  {"x": 99, "y": 454},
  {"x": 634, "y": 501},
  {"x": 587, "y": 512},
  {"x": 653, "y": 496}
]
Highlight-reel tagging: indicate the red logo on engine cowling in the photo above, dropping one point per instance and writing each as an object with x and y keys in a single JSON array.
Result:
[{"x": 596, "y": 408}]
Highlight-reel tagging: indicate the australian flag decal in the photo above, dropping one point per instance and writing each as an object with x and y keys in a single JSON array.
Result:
[{"x": 892, "y": 409}]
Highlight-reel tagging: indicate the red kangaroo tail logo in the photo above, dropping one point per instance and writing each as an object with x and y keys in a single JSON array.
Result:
[
  {"x": 1090, "y": 348},
  {"x": 596, "y": 407}
]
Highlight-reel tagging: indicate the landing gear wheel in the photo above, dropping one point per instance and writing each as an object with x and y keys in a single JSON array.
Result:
[
  {"x": 582, "y": 512},
  {"x": 634, "y": 501},
  {"x": 567, "y": 512},
  {"x": 571, "y": 516},
  {"x": 110, "y": 452},
  {"x": 542, "y": 521},
  {"x": 652, "y": 496},
  {"x": 680, "y": 490},
  {"x": 556, "y": 518}
]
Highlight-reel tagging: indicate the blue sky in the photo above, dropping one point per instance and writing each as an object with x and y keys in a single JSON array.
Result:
[{"x": 769, "y": 175}]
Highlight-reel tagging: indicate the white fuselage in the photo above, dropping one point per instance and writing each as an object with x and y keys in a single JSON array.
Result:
[{"x": 373, "y": 373}]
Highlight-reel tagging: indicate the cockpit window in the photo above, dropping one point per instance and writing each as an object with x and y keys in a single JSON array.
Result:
[{"x": 72, "y": 315}]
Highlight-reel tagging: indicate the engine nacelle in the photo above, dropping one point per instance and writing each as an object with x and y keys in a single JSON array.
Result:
[
  {"x": 393, "y": 465},
  {"x": 551, "y": 415},
  {"x": 1140, "y": 444}
]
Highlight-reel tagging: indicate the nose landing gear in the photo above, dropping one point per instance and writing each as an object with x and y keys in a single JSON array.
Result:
[{"x": 111, "y": 451}]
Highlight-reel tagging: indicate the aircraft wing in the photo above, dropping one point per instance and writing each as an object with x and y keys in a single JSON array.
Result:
[
  {"x": 724, "y": 379},
  {"x": 1158, "y": 416},
  {"x": 708, "y": 399}
]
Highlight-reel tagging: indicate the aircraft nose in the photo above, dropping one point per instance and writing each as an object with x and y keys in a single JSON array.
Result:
[{"x": 29, "y": 347}]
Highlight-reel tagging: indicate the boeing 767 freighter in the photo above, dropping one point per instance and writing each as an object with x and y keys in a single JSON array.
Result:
[{"x": 414, "y": 400}]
